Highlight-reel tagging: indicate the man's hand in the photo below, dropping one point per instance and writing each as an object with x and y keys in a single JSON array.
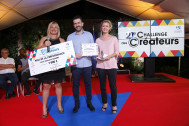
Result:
[
  {"x": 6, "y": 66},
  {"x": 26, "y": 65},
  {"x": 78, "y": 55}
]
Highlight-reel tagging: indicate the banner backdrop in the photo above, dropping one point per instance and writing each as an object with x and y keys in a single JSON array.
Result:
[{"x": 151, "y": 38}]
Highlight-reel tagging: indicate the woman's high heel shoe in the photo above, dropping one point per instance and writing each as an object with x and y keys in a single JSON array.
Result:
[
  {"x": 104, "y": 108},
  {"x": 114, "y": 111},
  {"x": 60, "y": 110},
  {"x": 45, "y": 115}
]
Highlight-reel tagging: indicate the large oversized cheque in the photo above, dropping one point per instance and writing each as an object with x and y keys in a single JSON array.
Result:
[
  {"x": 89, "y": 49},
  {"x": 60, "y": 56}
]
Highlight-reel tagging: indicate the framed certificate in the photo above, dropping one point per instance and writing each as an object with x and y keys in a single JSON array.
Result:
[
  {"x": 89, "y": 49},
  {"x": 60, "y": 56}
]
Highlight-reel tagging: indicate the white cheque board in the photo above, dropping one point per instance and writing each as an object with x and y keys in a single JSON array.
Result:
[{"x": 60, "y": 56}]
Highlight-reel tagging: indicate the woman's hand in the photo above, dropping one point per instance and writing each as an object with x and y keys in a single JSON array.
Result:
[
  {"x": 108, "y": 58},
  {"x": 100, "y": 61},
  {"x": 55, "y": 69},
  {"x": 47, "y": 43}
]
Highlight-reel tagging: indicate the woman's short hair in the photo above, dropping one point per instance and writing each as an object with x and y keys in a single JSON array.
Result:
[
  {"x": 48, "y": 29},
  {"x": 106, "y": 21}
]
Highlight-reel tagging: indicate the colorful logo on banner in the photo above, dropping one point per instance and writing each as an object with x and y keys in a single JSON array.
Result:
[
  {"x": 171, "y": 53},
  {"x": 133, "y": 24},
  {"x": 151, "y": 38},
  {"x": 154, "y": 23}
]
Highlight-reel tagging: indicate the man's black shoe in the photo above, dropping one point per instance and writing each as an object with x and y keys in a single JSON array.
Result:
[
  {"x": 8, "y": 96},
  {"x": 76, "y": 108},
  {"x": 91, "y": 107},
  {"x": 36, "y": 92},
  {"x": 13, "y": 94}
]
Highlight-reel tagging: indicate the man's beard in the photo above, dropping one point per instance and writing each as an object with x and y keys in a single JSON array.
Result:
[{"x": 78, "y": 29}]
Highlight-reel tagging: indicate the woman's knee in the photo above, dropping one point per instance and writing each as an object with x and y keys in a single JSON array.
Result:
[
  {"x": 46, "y": 86},
  {"x": 58, "y": 85}
]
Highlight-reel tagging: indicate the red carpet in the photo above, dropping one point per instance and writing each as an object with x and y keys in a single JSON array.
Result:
[{"x": 150, "y": 104}]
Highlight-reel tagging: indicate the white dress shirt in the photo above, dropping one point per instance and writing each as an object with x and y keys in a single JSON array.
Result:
[{"x": 7, "y": 61}]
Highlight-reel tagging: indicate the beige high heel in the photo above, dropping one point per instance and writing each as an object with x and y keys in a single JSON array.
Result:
[
  {"x": 114, "y": 111},
  {"x": 45, "y": 115},
  {"x": 104, "y": 108}
]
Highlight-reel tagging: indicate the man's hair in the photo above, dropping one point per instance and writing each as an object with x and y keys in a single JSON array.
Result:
[
  {"x": 21, "y": 49},
  {"x": 5, "y": 49},
  {"x": 78, "y": 17}
]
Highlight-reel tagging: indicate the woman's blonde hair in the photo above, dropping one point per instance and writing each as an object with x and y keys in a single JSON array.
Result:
[
  {"x": 106, "y": 21},
  {"x": 48, "y": 29}
]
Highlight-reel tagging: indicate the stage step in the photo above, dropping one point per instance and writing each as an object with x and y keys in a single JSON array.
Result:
[{"x": 123, "y": 71}]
